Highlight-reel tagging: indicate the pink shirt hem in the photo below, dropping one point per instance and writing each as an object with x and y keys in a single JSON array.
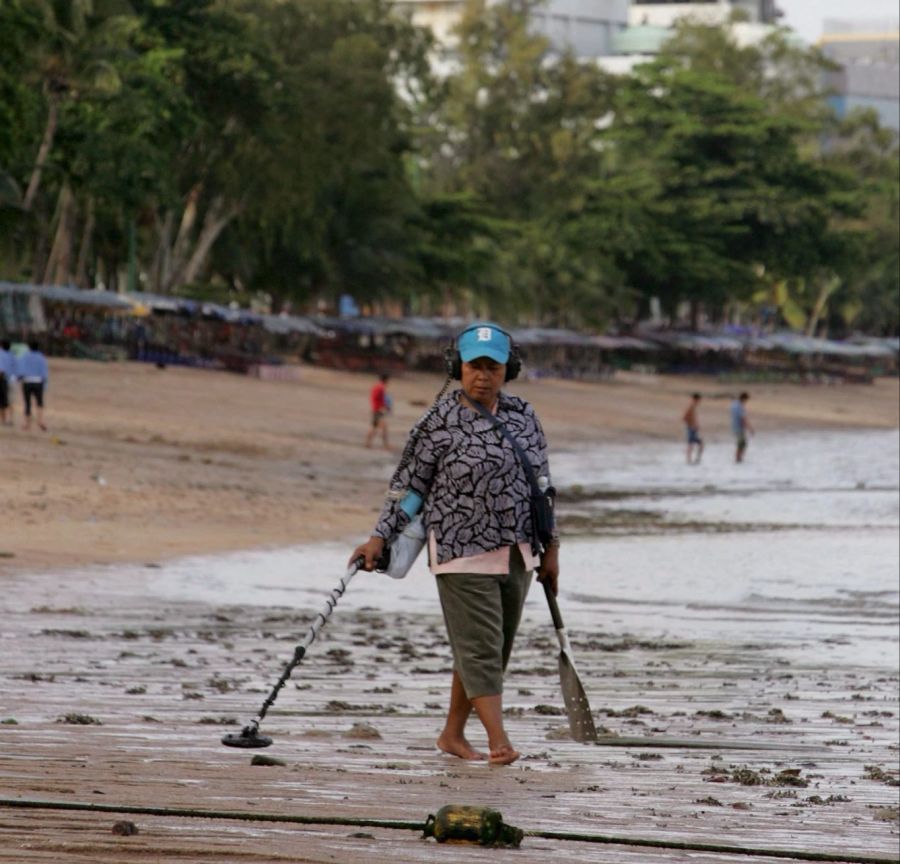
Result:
[{"x": 495, "y": 562}]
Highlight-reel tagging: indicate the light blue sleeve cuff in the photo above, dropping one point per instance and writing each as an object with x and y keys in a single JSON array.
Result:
[{"x": 411, "y": 504}]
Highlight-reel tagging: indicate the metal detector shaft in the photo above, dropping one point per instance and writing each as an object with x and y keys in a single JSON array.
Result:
[{"x": 249, "y": 736}]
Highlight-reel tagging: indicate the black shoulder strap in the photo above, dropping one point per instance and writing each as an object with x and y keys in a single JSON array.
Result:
[{"x": 526, "y": 464}]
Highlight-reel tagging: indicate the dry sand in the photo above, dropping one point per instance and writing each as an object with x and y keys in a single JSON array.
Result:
[{"x": 143, "y": 464}]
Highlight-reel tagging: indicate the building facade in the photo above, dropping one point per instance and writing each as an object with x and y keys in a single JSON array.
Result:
[
  {"x": 660, "y": 13},
  {"x": 868, "y": 52},
  {"x": 652, "y": 23},
  {"x": 584, "y": 27}
]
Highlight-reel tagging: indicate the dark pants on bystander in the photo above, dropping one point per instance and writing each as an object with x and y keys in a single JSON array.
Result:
[{"x": 32, "y": 390}]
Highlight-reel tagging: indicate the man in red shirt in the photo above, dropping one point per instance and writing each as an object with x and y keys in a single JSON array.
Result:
[{"x": 381, "y": 406}]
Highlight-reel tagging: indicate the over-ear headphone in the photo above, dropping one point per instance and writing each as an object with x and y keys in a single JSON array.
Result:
[{"x": 453, "y": 361}]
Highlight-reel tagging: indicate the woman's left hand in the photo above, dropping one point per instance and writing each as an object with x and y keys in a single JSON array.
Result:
[{"x": 548, "y": 571}]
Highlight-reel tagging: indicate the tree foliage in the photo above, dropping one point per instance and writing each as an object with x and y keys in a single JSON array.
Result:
[{"x": 305, "y": 150}]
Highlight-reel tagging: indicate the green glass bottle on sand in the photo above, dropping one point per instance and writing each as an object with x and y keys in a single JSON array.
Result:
[{"x": 459, "y": 823}]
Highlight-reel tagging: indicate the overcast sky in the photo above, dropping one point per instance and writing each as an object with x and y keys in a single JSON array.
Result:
[{"x": 806, "y": 16}]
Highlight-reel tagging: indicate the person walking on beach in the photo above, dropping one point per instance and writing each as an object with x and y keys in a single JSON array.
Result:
[
  {"x": 7, "y": 382},
  {"x": 380, "y": 402},
  {"x": 740, "y": 425},
  {"x": 31, "y": 368},
  {"x": 482, "y": 543},
  {"x": 692, "y": 427}
]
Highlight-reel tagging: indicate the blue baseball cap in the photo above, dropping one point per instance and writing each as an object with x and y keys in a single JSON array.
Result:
[{"x": 483, "y": 340}]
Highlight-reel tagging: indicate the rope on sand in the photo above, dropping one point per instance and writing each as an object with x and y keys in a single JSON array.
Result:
[
  {"x": 396, "y": 824},
  {"x": 794, "y": 855}
]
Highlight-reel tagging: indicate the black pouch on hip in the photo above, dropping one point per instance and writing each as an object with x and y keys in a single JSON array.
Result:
[{"x": 542, "y": 515}]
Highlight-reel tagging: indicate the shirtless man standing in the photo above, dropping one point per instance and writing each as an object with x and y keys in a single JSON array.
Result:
[{"x": 692, "y": 427}]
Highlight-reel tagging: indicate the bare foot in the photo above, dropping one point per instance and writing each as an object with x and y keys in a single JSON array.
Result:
[
  {"x": 505, "y": 755},
  {"x": 458, "y": 747}
]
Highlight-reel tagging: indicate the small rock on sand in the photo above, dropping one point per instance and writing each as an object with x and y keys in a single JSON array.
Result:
[
  {"x": 362, "y": 731},
  {"x": 266, "y": 760},
  {"x": 558, "y": 733}
]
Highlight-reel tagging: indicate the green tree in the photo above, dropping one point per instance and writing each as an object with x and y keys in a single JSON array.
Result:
[
  {"x": 337, "y": 206},
  {"x": 738, "y": 197},
  {"x": 21, "y": 117},
  {"x": 868, "y": 296},
  {"x": 69, "y": 65},
  {"x": 518, "y": 131}
]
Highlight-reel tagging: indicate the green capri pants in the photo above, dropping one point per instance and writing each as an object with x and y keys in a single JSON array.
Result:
[{"x": 482, "y": 614}]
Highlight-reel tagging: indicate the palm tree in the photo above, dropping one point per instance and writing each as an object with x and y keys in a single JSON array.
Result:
[{"x": 69, "y": 65}]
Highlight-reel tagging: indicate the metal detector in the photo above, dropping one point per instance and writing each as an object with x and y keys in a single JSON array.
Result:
[{"x": 249, "y": 736}]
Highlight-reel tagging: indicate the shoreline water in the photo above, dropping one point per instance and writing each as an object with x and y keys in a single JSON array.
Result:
[{"x": 812, "y": 540}]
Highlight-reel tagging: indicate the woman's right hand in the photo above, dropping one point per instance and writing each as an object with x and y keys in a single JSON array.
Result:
[{"x": 369, "y": 552}]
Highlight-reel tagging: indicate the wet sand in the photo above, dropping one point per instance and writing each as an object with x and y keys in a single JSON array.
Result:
[
  {"x": 113, "y": 693},
  {"x": 120, "y": 698}
]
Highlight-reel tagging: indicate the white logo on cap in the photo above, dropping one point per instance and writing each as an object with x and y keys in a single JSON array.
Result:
[{"x": 485, "y": 334}]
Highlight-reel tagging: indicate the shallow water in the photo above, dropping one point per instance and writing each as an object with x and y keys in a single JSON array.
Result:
[
  {"x": 809, "y": 460},
  {"x": 827, "y": 590}
]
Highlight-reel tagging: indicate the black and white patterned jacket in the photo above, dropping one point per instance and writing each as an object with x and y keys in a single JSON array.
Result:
[{"x": 475, "y": 490}]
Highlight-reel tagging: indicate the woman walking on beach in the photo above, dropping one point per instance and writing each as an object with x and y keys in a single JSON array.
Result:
[{"x": 475, "y": 495}]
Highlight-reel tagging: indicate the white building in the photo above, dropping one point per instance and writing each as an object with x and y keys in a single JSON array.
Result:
[
  {"x": 651, "y": 22},
  {"x": 659, "y": 13},
  {"x": 586, "y": 27},
  {"x": 868, "y": 52}
]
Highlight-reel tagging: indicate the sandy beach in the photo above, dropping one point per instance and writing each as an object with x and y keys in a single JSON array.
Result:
[
  {"x": 736, "y": 633},
  {"x": 144, "y": 464}
]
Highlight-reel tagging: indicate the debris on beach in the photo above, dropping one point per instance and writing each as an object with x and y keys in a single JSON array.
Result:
[
  {"x": 746, "y": 776},
  {"x": 267, "y": 761},
  {"x": 124, "y": 828},
  {"x": 458, "y": 823},
  {"x": 714, "y": 715},
  {"x": 558, "y": 733},
  {"x": 632, "y": 712},
  {"x": 76, "y": 719},
  {"x": 876, "y": 772},
  {"x": 362, "y": 731},
  {"x": 886, "y": 814}
]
